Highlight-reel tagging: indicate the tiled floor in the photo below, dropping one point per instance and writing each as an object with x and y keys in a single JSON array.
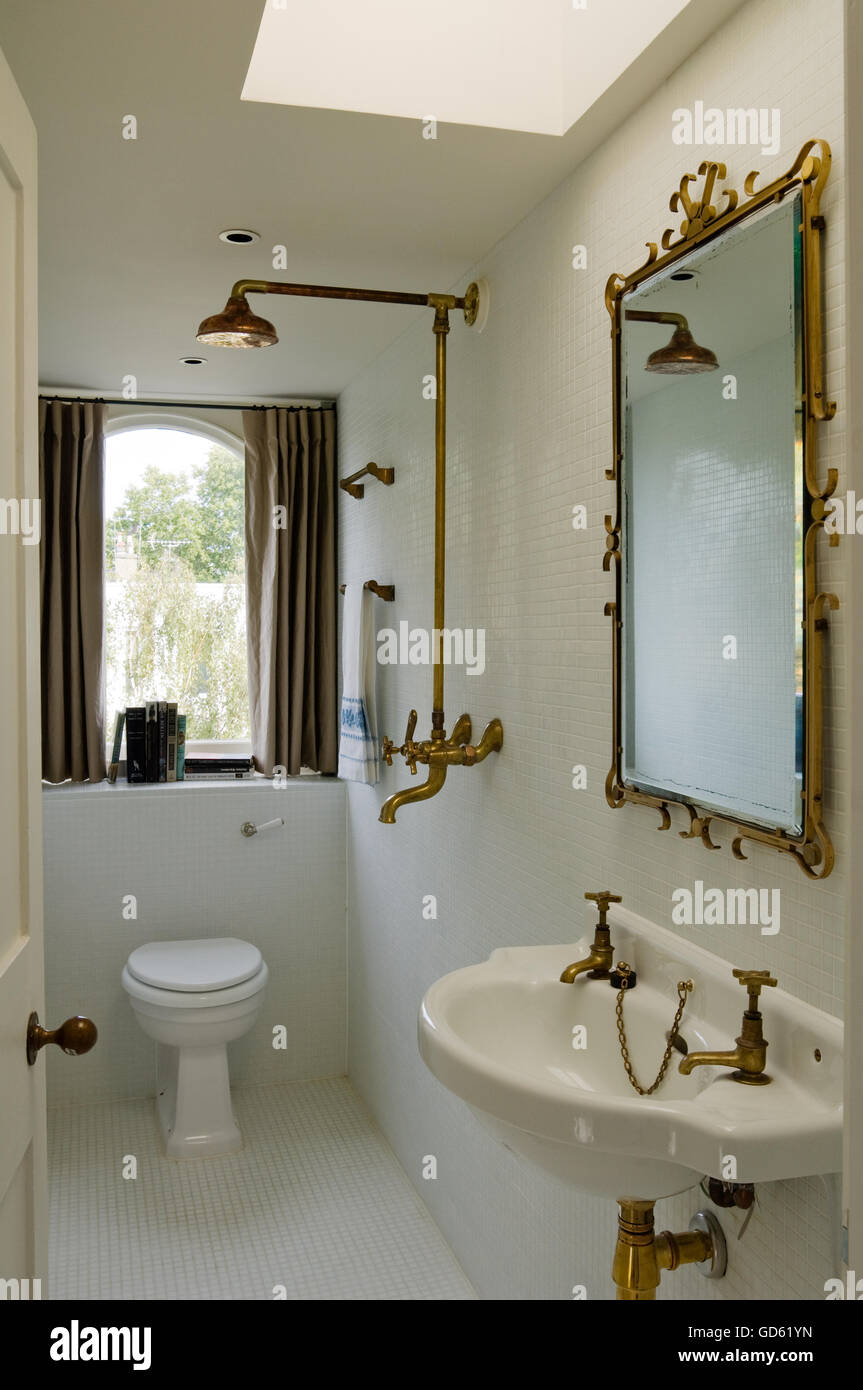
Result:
[{"x": 315, "y": 1207}]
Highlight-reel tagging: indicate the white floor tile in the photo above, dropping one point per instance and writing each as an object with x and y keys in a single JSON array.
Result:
[{"x": 316, "y": 1202}]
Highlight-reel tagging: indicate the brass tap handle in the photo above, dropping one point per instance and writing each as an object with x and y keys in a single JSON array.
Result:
[
  {"x": 753, "y": 981},
  {"x": 603, "y": 899},
  {"x": 75, "y": 1036},
  {"x": 411, "y": 729},
  {"x": 387, "y": 750}
]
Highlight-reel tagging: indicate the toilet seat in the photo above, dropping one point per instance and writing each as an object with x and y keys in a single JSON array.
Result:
[
  {"x": 195, "y": 967},
  {"x": 209, "y": 973},
  {"x": 175, "y": 999}
]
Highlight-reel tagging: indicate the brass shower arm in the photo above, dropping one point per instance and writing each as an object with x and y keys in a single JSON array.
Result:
[
  {"x": 660, "y": 316},
  {"x": 245, "y": 287}
]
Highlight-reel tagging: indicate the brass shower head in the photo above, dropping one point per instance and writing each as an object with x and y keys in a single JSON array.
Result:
[
  {"x": 237, "y": 326},
  {"x": 682, "y": 356}
]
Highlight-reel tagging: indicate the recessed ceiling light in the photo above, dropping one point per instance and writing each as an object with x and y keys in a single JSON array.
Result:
[
  {"x": 194, "y": 361},
  {"x": 238, "y": 236}
]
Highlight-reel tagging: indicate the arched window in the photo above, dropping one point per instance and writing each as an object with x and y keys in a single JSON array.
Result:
[{"x": 175, "y": 590}]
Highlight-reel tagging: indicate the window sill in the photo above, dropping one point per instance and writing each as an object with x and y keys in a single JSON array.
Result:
[{"x": 122, "y": 787}]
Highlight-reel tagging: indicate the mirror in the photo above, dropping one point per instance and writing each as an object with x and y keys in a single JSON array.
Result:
[
  {"x": 712, "y": 529},
  {"x": 718, "y": 624}
]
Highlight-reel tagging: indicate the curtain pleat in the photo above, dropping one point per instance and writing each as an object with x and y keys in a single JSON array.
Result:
[
  {"x": 71, "y": 473},
  {"x": 291, "y": 588}
]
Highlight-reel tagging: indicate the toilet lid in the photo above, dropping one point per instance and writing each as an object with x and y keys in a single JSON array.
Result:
[{"x": 194, "y": 966}]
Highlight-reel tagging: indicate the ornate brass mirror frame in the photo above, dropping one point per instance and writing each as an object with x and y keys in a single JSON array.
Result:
[{"x": 702, "y": 221}]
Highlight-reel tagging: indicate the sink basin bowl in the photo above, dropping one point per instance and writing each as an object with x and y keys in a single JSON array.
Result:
[{"x": 539, "y": 1064}]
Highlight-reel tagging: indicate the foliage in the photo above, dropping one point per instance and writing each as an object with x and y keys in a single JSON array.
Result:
[
  {"x": 175, "y": 628},
  {"x": 166, "y": 640},
  {"x": 205, "y": 528}
]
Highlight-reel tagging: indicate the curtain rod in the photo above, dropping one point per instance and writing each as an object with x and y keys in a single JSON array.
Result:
[{"x": 178, "y": 405}]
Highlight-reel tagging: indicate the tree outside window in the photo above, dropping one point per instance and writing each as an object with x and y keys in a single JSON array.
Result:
[{"x": 175, "y": 579}]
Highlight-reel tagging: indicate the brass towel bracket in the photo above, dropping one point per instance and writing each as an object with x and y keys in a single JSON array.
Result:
[
  {"x": 387, "y": 476},
  {"x": 385, "y": 591}
]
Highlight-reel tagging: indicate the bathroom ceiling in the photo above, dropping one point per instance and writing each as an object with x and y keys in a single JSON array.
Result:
[{"x": 130, "y": 256}]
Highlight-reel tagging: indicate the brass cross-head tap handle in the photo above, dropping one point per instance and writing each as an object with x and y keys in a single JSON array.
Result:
[
  {"x": 753, "y": 982},
  {"x": 408, "y": 749},
  {"x": 603, "y": 899}
]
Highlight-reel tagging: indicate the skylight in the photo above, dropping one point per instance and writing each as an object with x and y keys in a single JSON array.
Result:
[{"x": 527, "y": 65}]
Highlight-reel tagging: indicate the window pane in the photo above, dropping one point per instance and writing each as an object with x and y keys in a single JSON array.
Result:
[{"x": 175, "y": 579}]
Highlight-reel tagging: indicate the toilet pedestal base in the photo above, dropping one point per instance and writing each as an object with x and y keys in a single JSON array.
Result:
[{"x": 193, "y": 1102}]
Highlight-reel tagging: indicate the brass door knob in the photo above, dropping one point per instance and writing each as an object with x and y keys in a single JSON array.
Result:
[{"x": 75, "y": 1036}]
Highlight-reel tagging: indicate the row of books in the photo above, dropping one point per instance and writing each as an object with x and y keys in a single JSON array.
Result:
[
  {"x": 155, "y": 743},
  {"x": 156, "y": 748}
]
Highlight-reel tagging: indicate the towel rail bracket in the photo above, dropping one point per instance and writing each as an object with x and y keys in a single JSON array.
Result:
[
  {"x": 385, "y": 591},
  {"x": 387, "y": 476}
]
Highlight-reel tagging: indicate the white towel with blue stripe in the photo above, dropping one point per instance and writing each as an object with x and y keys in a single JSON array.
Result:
[{"x": 358, "y": 744}]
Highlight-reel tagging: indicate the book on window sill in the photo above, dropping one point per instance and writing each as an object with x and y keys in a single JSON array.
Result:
[
  {"x": 181, "y": 747},
  {"x": 152, "y": 708},
  {"x": 218, "y": 764},
  {"x": 163, "y": 741},
  {"x": 136, "y": 744},
  {"x": 208, "y": 775},
  {"x": 172, "y": 742},
  {"x": 114, "y": 765}
]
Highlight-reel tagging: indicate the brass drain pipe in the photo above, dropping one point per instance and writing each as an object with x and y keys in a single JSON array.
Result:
[{"x": 641, "y": 1255}]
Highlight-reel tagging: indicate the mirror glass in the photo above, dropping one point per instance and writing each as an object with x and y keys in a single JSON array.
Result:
[{"x": 712, "y": 525}]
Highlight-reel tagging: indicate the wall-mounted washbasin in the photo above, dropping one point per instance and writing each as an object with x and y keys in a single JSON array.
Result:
[{"x": 506, "y": 1036}]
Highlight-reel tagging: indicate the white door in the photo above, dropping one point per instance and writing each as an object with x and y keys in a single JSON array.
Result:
[{"x": 23, "y": 1183}]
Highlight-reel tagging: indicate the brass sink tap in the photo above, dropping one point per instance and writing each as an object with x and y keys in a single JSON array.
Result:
[
  {"x": 750, "y": 1055},
  {"x": 598, "y": 964}
]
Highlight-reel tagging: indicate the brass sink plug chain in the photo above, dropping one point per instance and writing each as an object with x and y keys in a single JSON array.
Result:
[{"x": 683, "y": 989}]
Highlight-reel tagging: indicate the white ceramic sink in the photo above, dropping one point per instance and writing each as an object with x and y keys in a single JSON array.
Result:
[{"x": 500, "y": 1036}]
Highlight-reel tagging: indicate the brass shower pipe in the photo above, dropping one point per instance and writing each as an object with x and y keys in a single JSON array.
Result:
[{"x": 237, "y": 326}]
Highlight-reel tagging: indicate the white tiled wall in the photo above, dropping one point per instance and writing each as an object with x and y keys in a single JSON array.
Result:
[
  {"x": 508, "y": 848},
  {"x": 180, "y": 852}
]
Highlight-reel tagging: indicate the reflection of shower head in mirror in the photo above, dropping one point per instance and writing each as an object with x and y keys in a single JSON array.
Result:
[{"x": 682, "y": 356}]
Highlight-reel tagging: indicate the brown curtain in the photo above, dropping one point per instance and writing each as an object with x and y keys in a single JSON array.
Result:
[
  {"x": 291, "y": 588},
  {"x": 71, "y": 468}
]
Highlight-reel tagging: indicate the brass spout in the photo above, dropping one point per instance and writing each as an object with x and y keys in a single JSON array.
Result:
[
  {"x": 737, "y": 1058},
  {"x": 749, "y": 1057},
  {"x": 601, "y": 957},
  {"x": 598, "y": 963},
  {"x": 431, "y": 787},
  {"x": 641, "y": 1255}
]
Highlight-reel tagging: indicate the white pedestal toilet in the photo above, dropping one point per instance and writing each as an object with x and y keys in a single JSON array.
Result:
[{"x": 194, "y": 997}]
